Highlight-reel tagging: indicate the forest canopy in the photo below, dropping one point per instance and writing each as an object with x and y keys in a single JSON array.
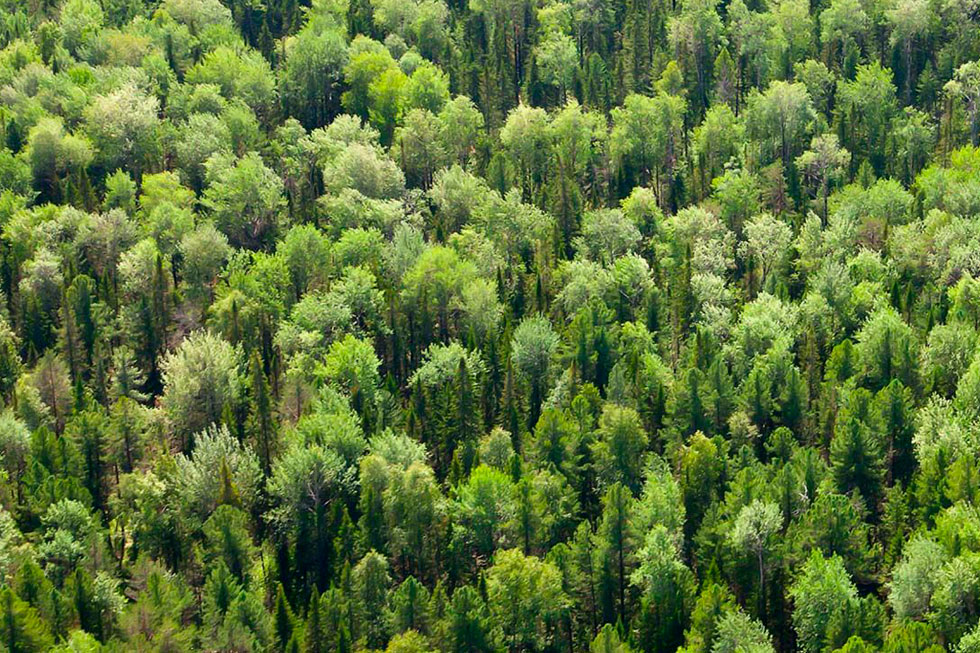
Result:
[{"x": 607, "y": 326}]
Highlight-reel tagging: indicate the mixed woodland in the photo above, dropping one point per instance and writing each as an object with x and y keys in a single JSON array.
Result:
[{"x": 619, "y": 326}]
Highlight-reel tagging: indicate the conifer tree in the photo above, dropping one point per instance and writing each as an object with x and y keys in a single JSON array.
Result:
[
  {"x": 21, "y": 630},
  {"x": 262, "y": 417}
]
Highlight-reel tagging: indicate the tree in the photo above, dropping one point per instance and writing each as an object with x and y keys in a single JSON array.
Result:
[
  {"x": 779, "y": 120},
  {"x": 700, "y": 472},
  {"x": 755, "y": 525},
  {"x": 607, "y": 234},
  {"x": 913, "y": 636},
  {"x": 460, "y": 125},
  {"x": 427, "y": 89},
  {"x": 577, "y": 138},
  {"x": 228, "y": 541},
  {"x": 822, "y": 164},
  {"x": 821, "y": 593},
  {"x": 915, "y": 577},
  {"x": 965, "y": 86},
  {"x": 696, "y": 34},
  {"x": 245, "y": 199},
  {"x": 840, "y": 25},
  {"x": 620, "y": 447},
  {"x": 970, "y": 642},
  {"x": 414, "y": 513},
  {"x": 887, "y": 350},
  {"x": 954, "y": 599},
  {"x": 608, "y": 641},
  {"x": 50, "y": 380},
  {"x": 313, "y": 66},
  {"x": 219, "y": 470},
  {"x": 534, "y": 343},
  {"x": 263, "y": 420},
  {"x": 21, "y": 631},
  {"x": 410, "y": 607},
  {"x": 910, "y": 21},
  {"x": 525, "y": 135},
  {"x": 616, "y": 550},
  {"x": 421, "y": 148},
  {"x": 469, "y": 622},
  {"x": 739, "y": 632},
  {"x": 386, "y": 102},
  {"x": 408, "y": 642},
  {"x": 894, "y": 405},
  {"x": 371, "y": 581},
  {"x": 767, "y": 239},
  {"x": 913, "y": 137},
  {"x": 645, "y": 141},
  {"x": 54, "y": 155},
  {"x": 124, "y": 127},
  {"x": 857, "y": 459},
  {"x": 352, "y": 364},
  {"x": 15, "y": 449},
  {"x": 308, "y": 483},
  {"x": 203, "y": 136},
  {"x": 869, "y": 102},
  {"x": 89, "y": 429},
  {"x": 715, "y": 143},
  {"x": 242, "y": 74},
  {"x": 525, "y": 598},
  {"x": 200, "y": 378},
  {"x": 558, "y": 59},
  {"x": 485, "y": 505},
  {"x": 667, "y": 587},
  {"x": 367, "y": 60},
  {"x": 204, "y": 252},
  {"x": 365, "y": 169}
]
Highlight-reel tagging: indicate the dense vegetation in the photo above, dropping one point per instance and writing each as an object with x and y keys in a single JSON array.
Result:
[{"x": 499, "y": 325}]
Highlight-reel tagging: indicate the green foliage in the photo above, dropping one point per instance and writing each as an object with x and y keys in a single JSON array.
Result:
[
  {"x": 820, "y": 595},
  {"x": 489, "y": 326},
  {"x": 21, "y": 630},
  {"x": 525, "y": 599}
]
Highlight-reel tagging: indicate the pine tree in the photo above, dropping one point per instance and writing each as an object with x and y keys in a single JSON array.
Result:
[
  {"x": 857, "y": 460},
  {"x": 511, "y": 415},
  {"x": 128, "y": 378},
  {"x": 371, "y": 523},
  {"x": 681, "y": 301},
  {"x": 492, "y": 386},
  {"x": 229, "y": 493},
  {"x": 466, "y": 423},
  {"x": 343, "y": 640},
  {"x": 262, "y": 417},
  {"x": 721, "y": 393},
  {"x": 895, "y": 408},
  {"x": 80, "y": 302},
  {"x": 89, "y": 615},
  {"x": 285, "y": 621},
  {"x": 469, "y": 623},
  {"x": 89, "y": 430},
  {"x": 615, "y": 542},
  {"x": 316, "y": 635},
  {"x": 582, "y": 357},
  {"x": 792, "y": 403},
  {"x": 70, "y": 343},
  {"x": 21, "y": 630},
  {"x": 603, "y": 359}
]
